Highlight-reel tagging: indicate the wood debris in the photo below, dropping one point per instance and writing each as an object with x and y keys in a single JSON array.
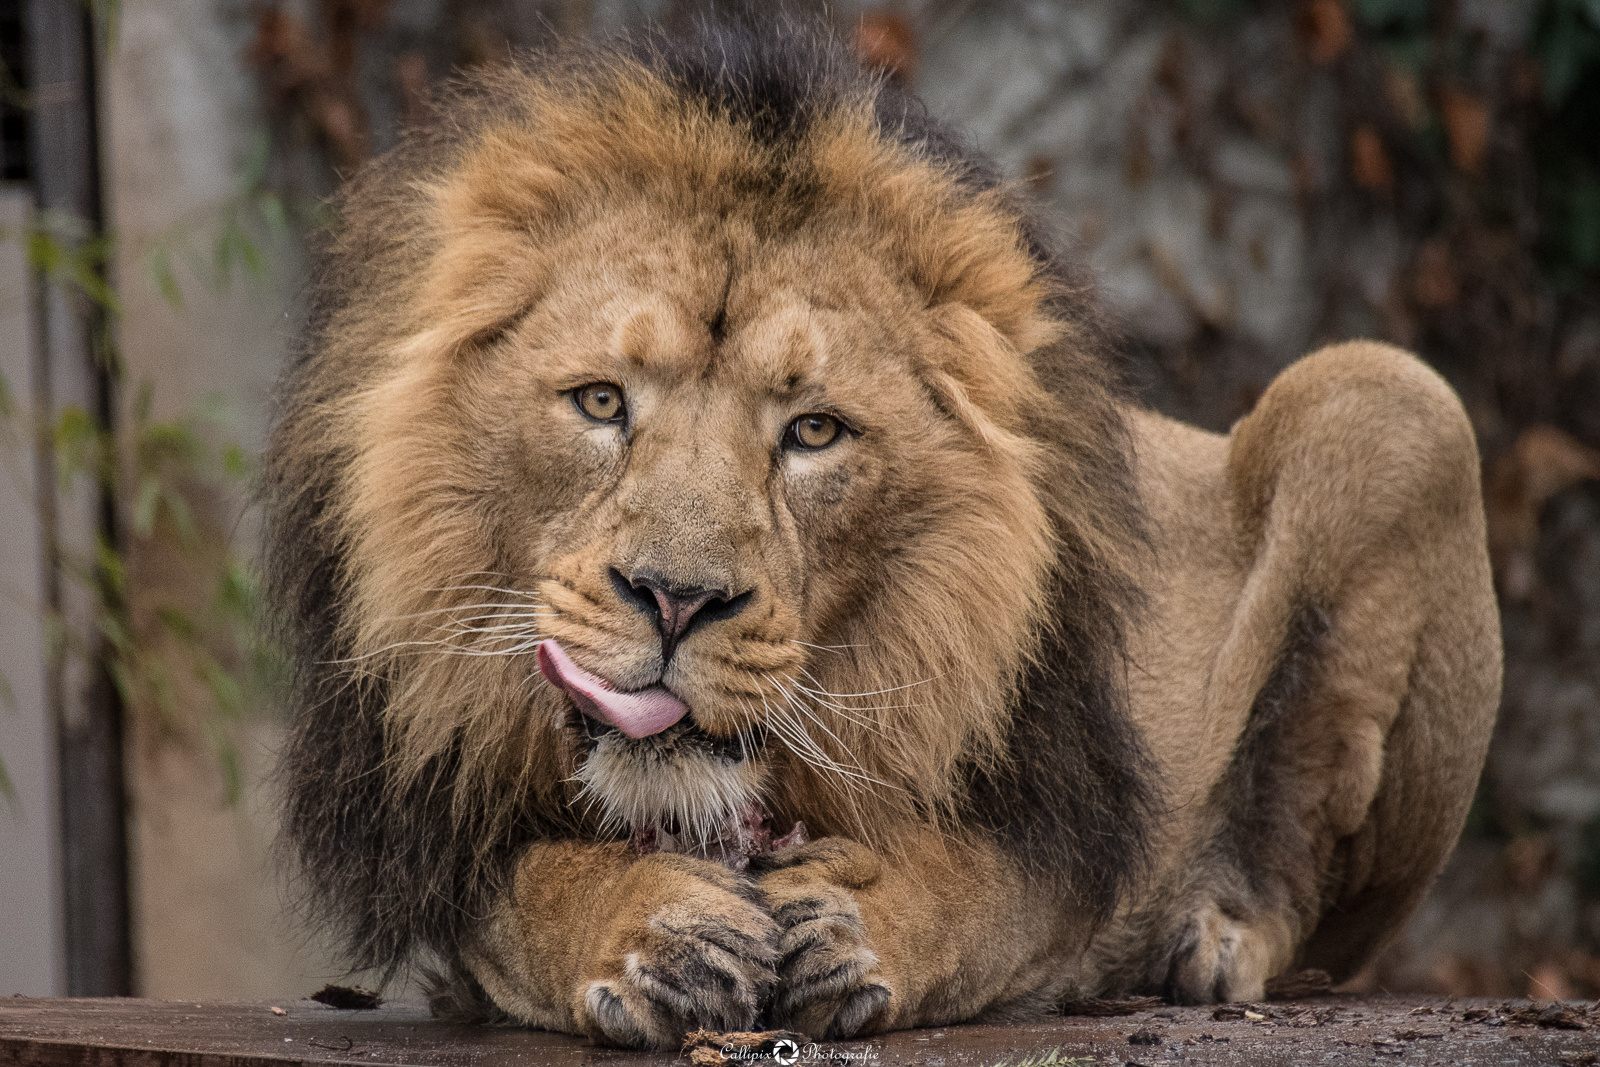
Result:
[
  {"x": 1096, "y": 1008},
  {"x": 709, "y": 1048}
]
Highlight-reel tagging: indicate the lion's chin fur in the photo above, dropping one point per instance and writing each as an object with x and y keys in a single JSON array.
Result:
[{"x": 692, "y": 799}]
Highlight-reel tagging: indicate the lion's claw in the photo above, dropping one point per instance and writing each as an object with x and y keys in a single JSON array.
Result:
[
  {"x": 827, "y": 983},
  {"x": 703, "y": 960}
]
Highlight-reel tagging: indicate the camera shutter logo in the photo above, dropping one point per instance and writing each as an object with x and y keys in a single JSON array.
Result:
[{"x": 785, "y": 1052}]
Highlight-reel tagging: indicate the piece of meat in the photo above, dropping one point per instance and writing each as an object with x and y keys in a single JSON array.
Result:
[{"x": 746, "y": 833}]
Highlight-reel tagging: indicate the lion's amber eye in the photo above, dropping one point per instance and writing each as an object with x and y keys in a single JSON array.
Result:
[
  {"x": 813, "y": 431},
  {"x": 601, "y": 401}
]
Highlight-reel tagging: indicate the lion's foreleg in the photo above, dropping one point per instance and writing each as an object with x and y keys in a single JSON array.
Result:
[
  {"x": 630, "y": 950},
  {"x": 933, "y": 932}
]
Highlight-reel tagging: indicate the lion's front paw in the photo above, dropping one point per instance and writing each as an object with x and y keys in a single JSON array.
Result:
[
  {"x": 828, "y": 983},
  {"x": 697, "y": 950},
  {"x": 831, "y": 984}
]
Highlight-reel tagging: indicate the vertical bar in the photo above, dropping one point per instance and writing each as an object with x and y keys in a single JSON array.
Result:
[{"x": 76, "y": 519}]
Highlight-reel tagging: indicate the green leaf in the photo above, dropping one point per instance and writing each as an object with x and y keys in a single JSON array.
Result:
[
  {"x": 250, "y": 255},
  {"x": 182, "y": 517},
  {"x": 255, "y": 164},
  {"x": 165, "y": 278},
  {"x": 8, "y": 789},
  {"x": 142, "y": 402},
  {"x": 122, "y": 681},
  {"x": 76, "y": 437},
  {"x": 177, "y": 622},
  {"x": 224, "y": 686},
  {"x": 273, "y": 214},
  {"x": 145, "y": 504},
  {"x": 110, "y": 568},
  {"x": 114, "y": 631},
  {"x": 45, "y": 253},
  {"x": 168, "y": 442},
  {"x": 236, "y": 592},
  {"x": 107, "y": 16}
]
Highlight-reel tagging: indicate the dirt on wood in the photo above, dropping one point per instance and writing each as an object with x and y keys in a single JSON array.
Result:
[{"x": 1331, "y": 1030}]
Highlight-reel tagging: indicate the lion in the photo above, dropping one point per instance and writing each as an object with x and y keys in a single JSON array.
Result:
[{"x": 732, "y": 585}]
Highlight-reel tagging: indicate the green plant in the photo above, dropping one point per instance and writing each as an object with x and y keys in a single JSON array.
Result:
[
  {"x": 1045, "y": 1058},
  {"x": 206, "y": 637}
]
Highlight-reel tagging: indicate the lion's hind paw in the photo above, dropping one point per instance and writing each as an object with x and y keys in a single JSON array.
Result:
[{"x": 1219, "y": 958}]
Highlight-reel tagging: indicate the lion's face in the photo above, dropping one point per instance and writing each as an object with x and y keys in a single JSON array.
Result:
[
  {"x": 668, "y": 497},
  {"x": 713, "y": 453}
]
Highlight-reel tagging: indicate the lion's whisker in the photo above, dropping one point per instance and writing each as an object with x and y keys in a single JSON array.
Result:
[
  {"x": 891, "y": 689},
  {"x": 828, "y": 763},
  {"x": 489, "y": 588},
  {"x": 847, "y": 750},
  {"x": 791, "y": 734},
  {"x": 823, "y": 648},
  {"x": 453, "y": 607}
]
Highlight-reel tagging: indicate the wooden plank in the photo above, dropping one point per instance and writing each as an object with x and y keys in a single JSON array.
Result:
[
  {"x": 146, "y": 1033},
  {"x": 1328, "y": 1030}
]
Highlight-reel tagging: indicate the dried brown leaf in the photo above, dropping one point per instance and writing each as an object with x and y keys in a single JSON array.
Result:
[
  {"x": 1311, "y": 982},
  {"x": 886, "y": 42},
  {"x": 1324, "y": 30},
  {"x": 1544, "y": 461},
  {"x": 1466, "y": 127},
  {"x": 1370, "y": 168},
  {"x": 1433, "y": 282}
]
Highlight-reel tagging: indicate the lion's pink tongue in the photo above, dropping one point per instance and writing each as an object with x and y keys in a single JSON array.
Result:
[{"x": 649, "y": 711}]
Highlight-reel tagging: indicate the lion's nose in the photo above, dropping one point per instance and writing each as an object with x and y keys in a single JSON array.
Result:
[{"x": 674, "y": 609}]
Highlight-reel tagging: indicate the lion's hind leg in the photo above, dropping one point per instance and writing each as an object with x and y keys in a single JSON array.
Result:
[{"x": 1363, "y": 659}]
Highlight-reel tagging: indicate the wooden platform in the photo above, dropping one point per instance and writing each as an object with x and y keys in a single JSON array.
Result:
[{"x": 1331, "y": 1030}]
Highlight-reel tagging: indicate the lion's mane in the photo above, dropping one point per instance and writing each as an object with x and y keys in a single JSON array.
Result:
[{"x": 413, "y": 782}]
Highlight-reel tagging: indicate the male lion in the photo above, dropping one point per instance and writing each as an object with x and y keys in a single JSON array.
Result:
[{"x": 731, "y": 588}]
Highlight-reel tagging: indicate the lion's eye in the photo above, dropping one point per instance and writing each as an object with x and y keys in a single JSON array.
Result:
[
  {"x": 601, "y": 401},
  {"x": 812, "y": 432}
]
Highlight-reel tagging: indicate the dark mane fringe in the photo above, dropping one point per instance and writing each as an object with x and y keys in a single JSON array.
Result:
[{"x": 396, "y": 874}]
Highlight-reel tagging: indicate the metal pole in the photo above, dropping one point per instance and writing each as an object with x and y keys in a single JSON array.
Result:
[{"x": 77, "y": 519}]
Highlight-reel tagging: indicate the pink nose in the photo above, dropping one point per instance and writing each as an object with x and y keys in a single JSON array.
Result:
[{"x": 640, "y": 714}]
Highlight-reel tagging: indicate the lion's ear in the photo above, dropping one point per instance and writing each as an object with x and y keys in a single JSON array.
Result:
[
  {"x": 979, "y": 377},
  {"x": 974, "y": 257},
  {"x": 958, "y": 245},
  {"x": 486, "y": 268}
]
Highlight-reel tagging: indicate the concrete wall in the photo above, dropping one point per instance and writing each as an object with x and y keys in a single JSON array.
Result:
[
  {"x": 30, "y": 919},
  {"x": 179, "y": 122}
]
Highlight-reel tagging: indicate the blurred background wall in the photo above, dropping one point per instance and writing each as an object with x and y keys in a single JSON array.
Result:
[{"x": 1250, "y": 180}]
